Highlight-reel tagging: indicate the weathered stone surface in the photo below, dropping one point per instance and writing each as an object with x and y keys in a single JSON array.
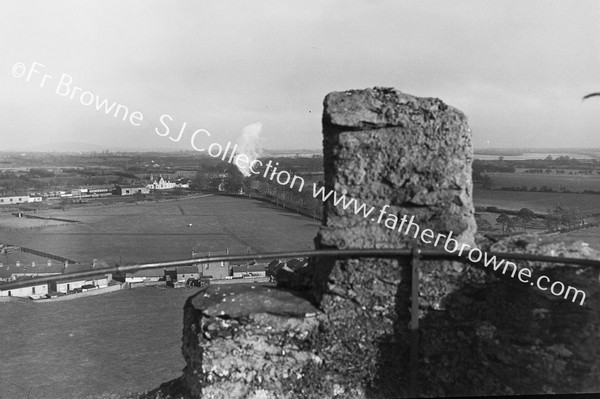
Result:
[
  {"x": 243, "y": 341},
  {"x": 479, "y": 334},
  {"x": 386, "y": 148},
  {"x": 505, "y": 337}
]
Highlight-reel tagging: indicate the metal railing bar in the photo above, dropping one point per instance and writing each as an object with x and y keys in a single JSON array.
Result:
[
  {"x": 414, "y": 321},
  {"x": 424, "y": 254}
]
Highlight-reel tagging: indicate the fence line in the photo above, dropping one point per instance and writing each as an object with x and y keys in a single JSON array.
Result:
[
  {"x": 424, "y": 254},
  {"x": 47, "y": 255}
]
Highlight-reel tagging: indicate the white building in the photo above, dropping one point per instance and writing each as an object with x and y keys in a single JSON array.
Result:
[
  {"x": 15, "y": 199},
  {"x": 76, "y": 283},
  {"x": 161, "y": 184},
  {"x": 144, "y": 275},
  {"x": 35, "y": 290},
  {"x": 251, "y": 270}
]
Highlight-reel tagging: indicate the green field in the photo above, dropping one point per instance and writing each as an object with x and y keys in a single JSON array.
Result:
[
  {"x": 127, "y": 341},
  {"x": 575, "y": 182},
  {"x": 536, "y": 201},
  {"x": 130, "y": 341},
  {"x": 151, "y": 231},
  {"x": 590, "y": 236}
]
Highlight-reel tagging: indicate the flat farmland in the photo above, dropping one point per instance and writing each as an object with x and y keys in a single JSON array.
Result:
[
  {"x": 167, "y": 230},
  {"x": 536, "y": 201},
  {"x": 116, "y": 343},
  {"x": 10, "y": 222},
  {"x": 590, "y": 236},
  {"x": 577, "y": 183}
]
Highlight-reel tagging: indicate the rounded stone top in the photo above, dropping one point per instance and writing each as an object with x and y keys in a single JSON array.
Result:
[
  {"x": 382, "y": 107},
  {"x": 238, "y": 300}
]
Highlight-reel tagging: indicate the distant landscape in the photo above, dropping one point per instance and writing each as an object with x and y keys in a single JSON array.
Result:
[
  {"x": 101, "y": 344},
  {"x": 168, "y": 230},
  {"x": 75, "y": 349}
]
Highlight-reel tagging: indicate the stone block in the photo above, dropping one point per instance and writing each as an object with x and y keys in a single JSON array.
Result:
[{"x": 243, "y": 341}]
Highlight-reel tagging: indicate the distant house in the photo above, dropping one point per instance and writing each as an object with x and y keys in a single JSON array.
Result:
[
  {"x": 217, "y": 269},
  {"x": 183, "y": 273},
  {"x": 34, "y": 290},
  {"x": 16, "y": 199},
  {"x": 65, "y": 286},
  {"x": 139, "y": 276},
  {"x": 91, "y": 191},
  {"x": 161, "y": 184},
  {"x": 131, "y": 190},
  {"x": 183, "y": 183},
  {"x": 250, "y": 270}
]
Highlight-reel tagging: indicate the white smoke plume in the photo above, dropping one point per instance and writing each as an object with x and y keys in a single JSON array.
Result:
[{"x": 249, "y": 144}]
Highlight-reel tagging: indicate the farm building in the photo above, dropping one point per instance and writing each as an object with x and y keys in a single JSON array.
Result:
[
  {"x": 217, "y": 270},
  {"x": 183, "y": 273},
  {"x": 131, "y": 190},
  {"x": 16, "y": 199},
  {"x": 140, "y": 276},
  {"x": 65, "y": 286},
  {"x": 35, "y": 289},
  {"x": 250, "y": 270}
]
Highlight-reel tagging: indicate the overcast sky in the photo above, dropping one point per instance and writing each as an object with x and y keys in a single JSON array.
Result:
[{"x": 518, "y": 69}]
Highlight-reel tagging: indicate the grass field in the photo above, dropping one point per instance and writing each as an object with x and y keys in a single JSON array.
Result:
[
  {"x": 151, "y": 231},
  {"x": 536, "y": 201},
  {"x": 127, "y": 341},
  {"x": 577, "y": 183},
  {"x": 9, "y": 222},
  {"x": 590, "y": 236}
]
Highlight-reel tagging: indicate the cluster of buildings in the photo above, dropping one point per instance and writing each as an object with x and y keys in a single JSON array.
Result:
[
  {"x": 218, "y": 270},
  {"x": 20, "y": 199},
  {"x": 195, "y": 274},
  {"x": 159, "y": 183},
  {"x": 36, "y": 290}
]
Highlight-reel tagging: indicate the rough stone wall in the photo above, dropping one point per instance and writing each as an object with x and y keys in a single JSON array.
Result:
[
  {"x": 346, "y": 335},
  {"x": 501, "y": 337},
  {"x": 242, "y": 341},
  {"x": 383, "y": 147}
]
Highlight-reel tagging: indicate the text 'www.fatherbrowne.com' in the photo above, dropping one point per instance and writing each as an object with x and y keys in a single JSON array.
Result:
[{"x": 407, "y": 226}]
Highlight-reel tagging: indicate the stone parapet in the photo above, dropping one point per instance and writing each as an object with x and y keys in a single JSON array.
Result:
[
  {"x": 250, "y": 341},
  {"x": 405, "y": 156},
  {"x": 346, "y": 334}
]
